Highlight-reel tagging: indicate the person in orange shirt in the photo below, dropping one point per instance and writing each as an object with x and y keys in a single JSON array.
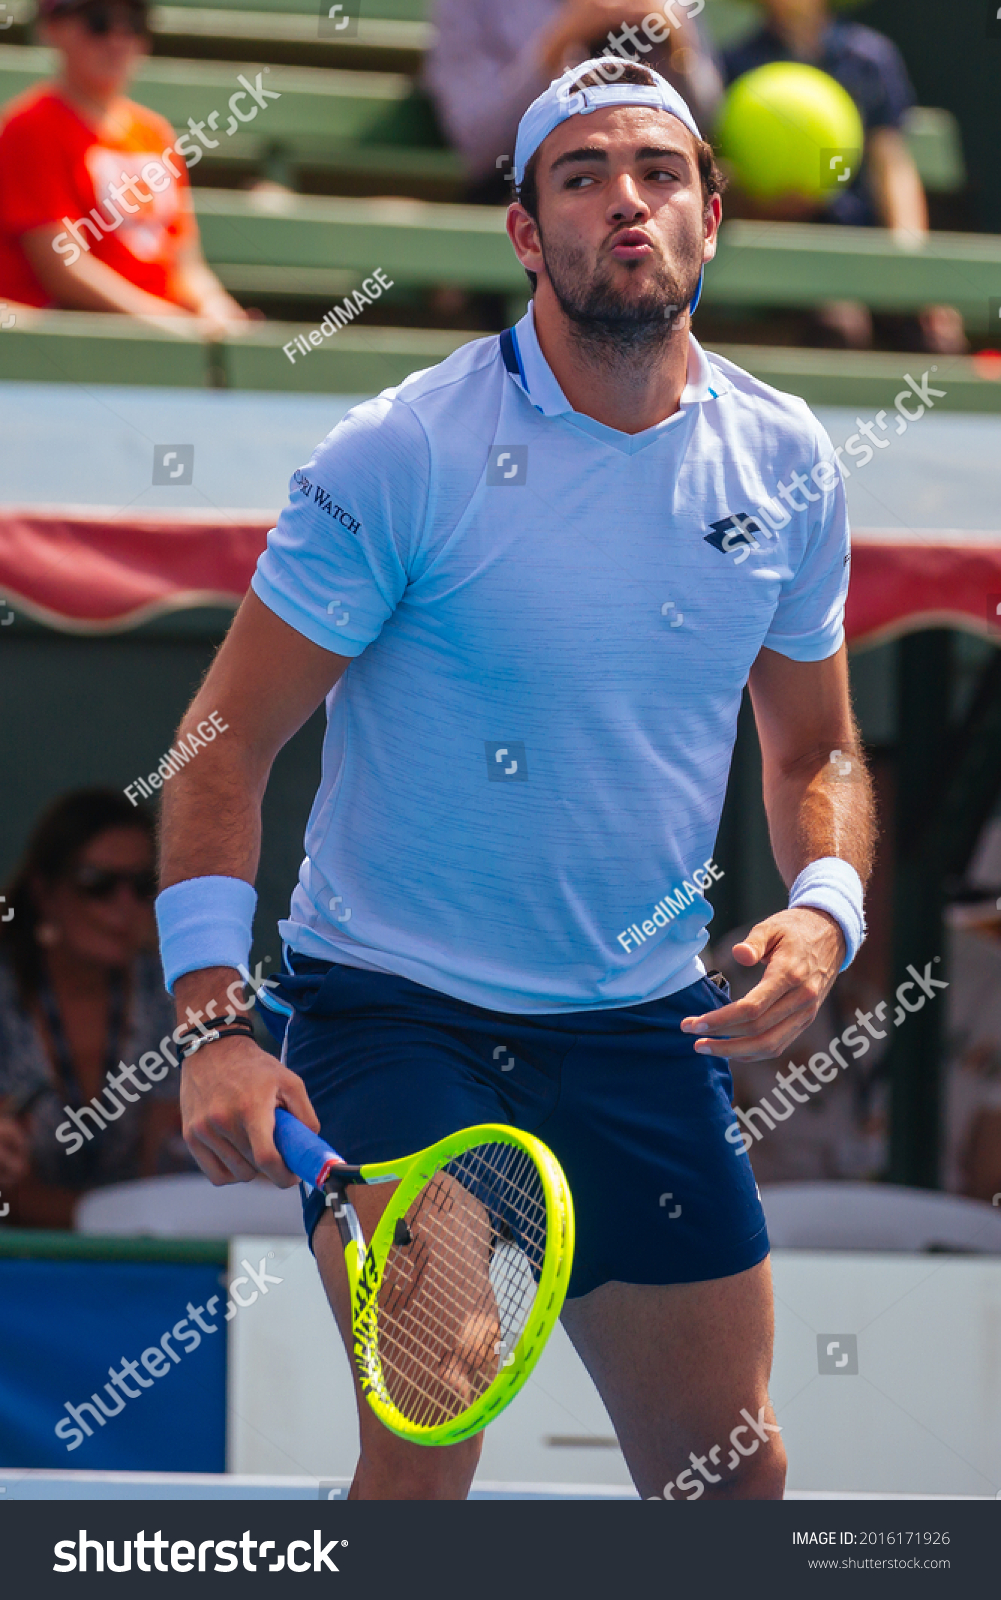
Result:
[{"x": 95, "y": 205}]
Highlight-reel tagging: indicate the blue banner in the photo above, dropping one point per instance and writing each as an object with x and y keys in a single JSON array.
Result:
[{"x": 108, "y": 1365}]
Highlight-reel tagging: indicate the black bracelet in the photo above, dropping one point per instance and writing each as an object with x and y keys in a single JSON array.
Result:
[{"x": 191, "y": 1042}]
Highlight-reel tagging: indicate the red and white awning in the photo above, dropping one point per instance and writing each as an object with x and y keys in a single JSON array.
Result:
[{"x": 94, "y": 571}]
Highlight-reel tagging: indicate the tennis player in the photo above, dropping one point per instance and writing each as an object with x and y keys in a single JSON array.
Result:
[{"x": 531, "y": 584}]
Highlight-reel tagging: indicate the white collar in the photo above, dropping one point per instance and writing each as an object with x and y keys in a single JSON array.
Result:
[{"x": 536, "y": 376}]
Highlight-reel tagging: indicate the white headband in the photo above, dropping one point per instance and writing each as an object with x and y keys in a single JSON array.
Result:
[{"x": 561, "y": 101}]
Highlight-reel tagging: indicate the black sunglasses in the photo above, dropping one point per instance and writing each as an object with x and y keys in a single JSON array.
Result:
[
  {"x": 100, "y": 883},
  {"x": 99, "y": 20}
]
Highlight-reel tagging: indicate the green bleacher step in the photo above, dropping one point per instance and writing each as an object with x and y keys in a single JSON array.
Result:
[{"x": 89, "y": 348}]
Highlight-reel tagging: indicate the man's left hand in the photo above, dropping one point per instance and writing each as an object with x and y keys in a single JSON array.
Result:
[{"x": 802, "y": 951}]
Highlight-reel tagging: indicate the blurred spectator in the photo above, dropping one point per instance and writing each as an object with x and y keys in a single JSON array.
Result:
[
  {"x": 489, "y": 62},
  {"x": 888, "y": 192},
  {"x": 14, "y": 1157},
  {"x": 81, "y": 994},
  {"x": 72, "y": 153},
  {"x": 972, "y": 1089}
]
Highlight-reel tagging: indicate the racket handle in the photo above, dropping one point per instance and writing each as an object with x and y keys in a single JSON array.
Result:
[{"x": 303, "y": 1152}]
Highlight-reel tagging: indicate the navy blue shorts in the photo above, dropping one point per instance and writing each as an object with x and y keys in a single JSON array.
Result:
[{"x": 636, "y": 1118}]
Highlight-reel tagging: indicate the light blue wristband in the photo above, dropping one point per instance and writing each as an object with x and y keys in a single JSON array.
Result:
[
  {"x": 204, "y": 922},
  {"x": 834, "y": 886}
]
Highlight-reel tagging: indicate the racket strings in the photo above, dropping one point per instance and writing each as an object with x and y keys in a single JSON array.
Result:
[{"x": 454, "y": 1301}]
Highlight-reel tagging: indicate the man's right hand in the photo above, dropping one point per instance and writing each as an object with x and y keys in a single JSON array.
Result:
[{"x": 229, "y": 1091}]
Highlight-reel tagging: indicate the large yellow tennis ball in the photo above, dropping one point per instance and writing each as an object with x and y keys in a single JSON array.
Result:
[{"x": 787, "y": 128}]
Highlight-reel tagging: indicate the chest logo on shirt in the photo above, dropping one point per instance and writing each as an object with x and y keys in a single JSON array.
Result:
[{"x": 732, "y": 533}]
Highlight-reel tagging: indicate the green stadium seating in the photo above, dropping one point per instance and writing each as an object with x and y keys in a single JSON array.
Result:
[
  {"x": 413, "y": 241},
  {"x": 349, "y": 108},
  {"x": 374, "y": 125},
  {"x": 384, "y": 133},
  {"x": 80, "y": 347},
  {"x": 377, "y": 43},
  {"x": 389, "y": 35},
  {"x": 412, "y": 11},
  {"x": 759, "y": 264},
  {"x": 803, "y": 264},
  {"x": 937, "y": 147}
]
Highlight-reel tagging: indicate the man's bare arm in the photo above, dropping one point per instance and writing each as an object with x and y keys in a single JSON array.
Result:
[
  {"x": 816, "y": 807},
  {"x": 88, "y": 284},
  {"x": 265, "y": 682},
  {"x": 263, "y": 685},
  {"x": 896, "y": 183}
]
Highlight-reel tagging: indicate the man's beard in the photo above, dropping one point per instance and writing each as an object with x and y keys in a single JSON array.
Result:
[{"x": 610, "y": 324}]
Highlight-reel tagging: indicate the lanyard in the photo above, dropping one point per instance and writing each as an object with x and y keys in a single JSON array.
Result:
[{"x": 64, "y": 1057}]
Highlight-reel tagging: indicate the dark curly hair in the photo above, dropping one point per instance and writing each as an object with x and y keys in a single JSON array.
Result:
[{"x": 713, "y": 179}]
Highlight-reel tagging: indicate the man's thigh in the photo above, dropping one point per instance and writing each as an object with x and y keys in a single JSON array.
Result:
[
  {"x": 677, "y": 1368},
  {"x": 389, "y": 1468}
]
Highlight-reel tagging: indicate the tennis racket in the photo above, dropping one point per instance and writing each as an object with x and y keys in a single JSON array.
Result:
[{"x": 464, "y": 1278}]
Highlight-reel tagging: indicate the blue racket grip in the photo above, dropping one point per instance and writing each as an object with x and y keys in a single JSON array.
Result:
[{"x": 304, "y": 1153}]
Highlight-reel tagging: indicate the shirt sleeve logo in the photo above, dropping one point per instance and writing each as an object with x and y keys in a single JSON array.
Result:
[{"x": 320, "y": 497}]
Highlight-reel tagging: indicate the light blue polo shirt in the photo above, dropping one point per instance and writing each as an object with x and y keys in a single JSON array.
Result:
[{"x": 550, "y": 624}]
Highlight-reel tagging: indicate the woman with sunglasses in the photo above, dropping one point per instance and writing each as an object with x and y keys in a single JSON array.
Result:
[
  {"x": 95, "y": 206},
  {"x": 81, "y": 992}
]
